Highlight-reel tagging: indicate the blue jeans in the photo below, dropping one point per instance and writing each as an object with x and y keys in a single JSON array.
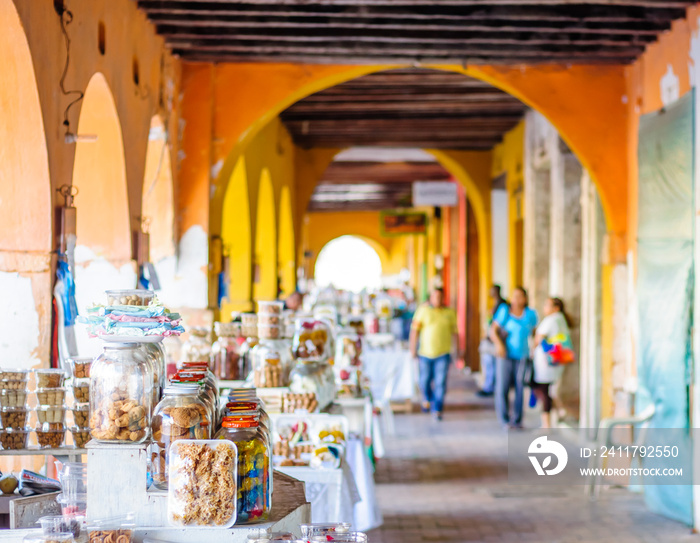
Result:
[
  {"x": 488, "y": 367},
  {"x": 433, "y": 380},
  {"x": 510, "y": 373}
]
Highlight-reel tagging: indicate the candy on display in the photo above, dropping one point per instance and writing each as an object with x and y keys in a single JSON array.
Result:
[
  {"x": 14, "y": 439},
  {"x": 50, "y": 435},
  {"x": 227, "y": 361},
  {"x": 81, "y": 367},
  {"x": 254, "y": 494},
  {"x": 80, "y": 435},
  {"x": 181, "y": 414},
  {"x": 137, "y": 297},
  {"x": 50, "y": 378},
  {"x": 13, "y": 398},
  {"x": 50, "y": 396},
  {"x": 203, "y": 483},
  {"x": 51, "y": 414}
]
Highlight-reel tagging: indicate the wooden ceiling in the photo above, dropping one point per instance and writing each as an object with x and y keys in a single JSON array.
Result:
[
  {"x": 370, "y": 186},
  {"x": 411, "y": 107},
  {"x": 412, "y": 31}
]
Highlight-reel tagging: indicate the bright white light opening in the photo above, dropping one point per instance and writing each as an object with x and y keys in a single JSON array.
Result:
[{"x": 348, "y": 263}]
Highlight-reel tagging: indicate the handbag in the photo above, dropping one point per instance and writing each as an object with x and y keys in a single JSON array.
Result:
[
  {"x": 529, "y": 373},
  {"x": 559, "y": 350}
]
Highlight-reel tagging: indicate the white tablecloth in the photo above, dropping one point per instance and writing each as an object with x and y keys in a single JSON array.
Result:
[
  {"x": 368, "y": 515},
  {"x": 378, "y": 363},
  {"x": 332, "y": 493}
]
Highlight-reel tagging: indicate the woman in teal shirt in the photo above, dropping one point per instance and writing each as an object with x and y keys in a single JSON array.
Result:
[{"x": 511, "y": 330}]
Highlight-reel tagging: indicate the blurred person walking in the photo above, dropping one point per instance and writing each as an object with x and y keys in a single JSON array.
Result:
[
  {"x": 433, "y": 335},
  {"x": 511, "y": 330},
  {"x": 487, "y": 349},
  {"x": 552, "y": 351}
]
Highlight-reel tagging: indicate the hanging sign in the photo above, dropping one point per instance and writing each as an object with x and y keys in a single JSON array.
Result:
[
  {"x": 400, "y": 223},
  {"x": 435, "y": 193}
]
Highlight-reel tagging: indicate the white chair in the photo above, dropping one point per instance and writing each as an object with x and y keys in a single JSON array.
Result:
[{"x": 605, "y": 431}]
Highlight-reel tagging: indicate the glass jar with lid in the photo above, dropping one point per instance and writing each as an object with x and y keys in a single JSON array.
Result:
[
  {"x": 311, "y": 340},
  {"x": 311, "y": 377},
  {"x": 207, "y": 392},
  {"x": 181, "y": 414},
  {"x": 226, "y": 360},
  {"x": 254, "y": 466},
  {"x": 156, "y": 359},
  {"x": 198, "y": 345},
  {"x": 121, "y": 394},
  {"x": 268, "y": 370}
]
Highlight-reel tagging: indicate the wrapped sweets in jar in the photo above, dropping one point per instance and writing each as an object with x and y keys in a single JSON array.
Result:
[
  {"x": 181, "y": 414},
  {"x": 254, "y": 498},
  {"x": 226, "y": 359},
  {"x": 311, "y": 340},
  {"x": 121, "y": 392}
]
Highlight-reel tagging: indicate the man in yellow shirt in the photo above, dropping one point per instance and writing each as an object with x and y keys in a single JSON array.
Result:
[{"x": 433, "y": 334}]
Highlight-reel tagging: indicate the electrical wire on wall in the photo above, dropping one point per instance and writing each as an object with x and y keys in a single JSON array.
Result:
[{"x": 66, "y": 18}]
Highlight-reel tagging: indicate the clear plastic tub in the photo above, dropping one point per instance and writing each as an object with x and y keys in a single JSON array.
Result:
[
  {"x": 49, "y": 538},
  {"x": 348, "y": 537},
  {"x": 269, "y": 331},
  {"x": 13, "y": 398},
  {"x": 14, "y": 375},
  {"x": 261, "y": 535},
  {"x": 50, "y": 435},
  {"x": 274, "y": 308},
  {"x": 50, "y": 414},
  {"x": 50, "y": 378},
  {"x": 12, "y": 440},
  {"x": 14, "y": 417},
  {"x": 81, "y": 367},
  {"x": 81, "y": 414},
  {"x": 73, "y": 506},
  {"x": 61, "y": 525},
  {"x": 129, "y": 297},
  {"x": 81, "y": 390},
  {"x": 191, "y": 498},
  {"x": 249, "y": 319},
  {"x": 115, "y": 529},
  {"x": 321, "y": 529},
  {"x": 80, "y": 436},
  {"x": 51, "y": 396}
]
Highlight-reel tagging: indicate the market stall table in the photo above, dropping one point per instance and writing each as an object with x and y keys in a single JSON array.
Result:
[{"x": 390, "y": 364}]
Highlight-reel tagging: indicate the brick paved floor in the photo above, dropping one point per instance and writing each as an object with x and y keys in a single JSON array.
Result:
[{"x": 447, "y": 481}]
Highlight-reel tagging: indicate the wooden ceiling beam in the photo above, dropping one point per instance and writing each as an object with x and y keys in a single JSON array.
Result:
[
  {"x": 458, "y": 3},
  {"x": 514, "y": 60},
  {"x": 169, "y": 25}
]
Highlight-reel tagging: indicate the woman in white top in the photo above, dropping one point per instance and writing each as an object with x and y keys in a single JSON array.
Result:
[{"x": 555, "y": 322}]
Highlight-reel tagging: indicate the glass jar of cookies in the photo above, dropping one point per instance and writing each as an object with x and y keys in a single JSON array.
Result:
[
  {"x": 121, "y": 392},
  {"x": 181, "y": 414}
]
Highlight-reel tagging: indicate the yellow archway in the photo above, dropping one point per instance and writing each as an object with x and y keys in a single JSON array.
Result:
[
  {"x": 236, "y": 236},
  {"x": 286, "y": 244},
  {"x": 380, "y": 251},
  {"x": 103, "y": 251},
  {"x": 265, "y": 279},
  {"x": 25, "y": 204}
]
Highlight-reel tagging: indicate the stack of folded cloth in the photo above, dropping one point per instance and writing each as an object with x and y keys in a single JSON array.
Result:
[{"x": 131, "y": 320}]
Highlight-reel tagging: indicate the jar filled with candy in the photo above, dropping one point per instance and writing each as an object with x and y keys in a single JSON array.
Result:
[
  {"x": 226, "y": 360},
  {"x": 311, "y": 340},
  {"x": 181, "y": 414},
  {"x": 254, "y": 498},
  {"x": 121, "y": 394}
]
